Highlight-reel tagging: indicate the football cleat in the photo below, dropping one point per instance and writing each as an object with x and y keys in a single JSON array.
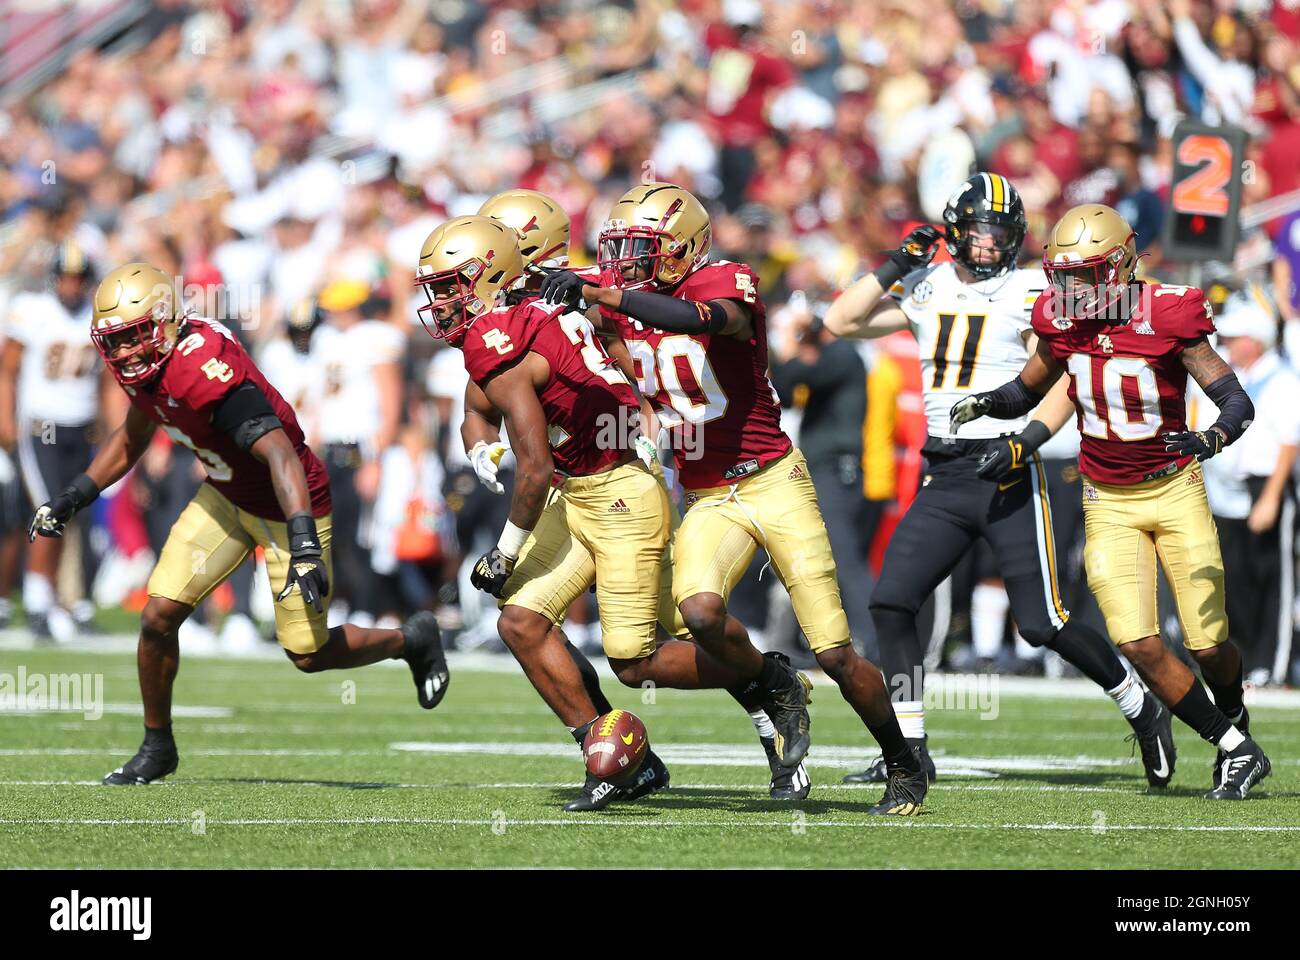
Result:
[
  {"x": 786, "y": 784},
  {"x": 39, "y": 625},
  {"x": 651, "y": 778},
  {"x": 787, "y": 708},
  {"x": 1242, "y": 723},
  {"x": 1157, "y": 745},
  {"x": 423, "y": 653},
  {"x": 878, "y": 772},
  {"x": 597, "y": 794},
  {"x": 1240, "y": 770},
  {"x": 151, "y": 762},
  {"x": 904, "y": 794}
]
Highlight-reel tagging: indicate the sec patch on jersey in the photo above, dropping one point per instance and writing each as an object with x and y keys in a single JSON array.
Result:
[{"x": 616, "y": 746}]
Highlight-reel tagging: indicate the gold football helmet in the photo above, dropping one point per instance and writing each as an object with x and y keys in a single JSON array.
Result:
[
  {"x": 543, "y": 227},
  {"x": 1090, "y": 257},
  {"x": 465, "y": 265},
  {"x": 136, "y": 319},
  {"x": 656, "y": 234}
]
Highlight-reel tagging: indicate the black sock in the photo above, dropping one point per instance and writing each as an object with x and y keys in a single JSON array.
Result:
[
  {"x": 749, "y": 695},
  {"x": 773, "y": 676},
  {"x": 1227, "y": 697},
  {"x": 893, "y": 746},
  {"x": 158, "y": 736},
  {"x": 1144, "y": 720},
  {"x": 590, "y": 679},
  {"x": 580, "y": 733},
  {"x": 1196, "y": 710},
  {"x": 1091, "y": 653}
]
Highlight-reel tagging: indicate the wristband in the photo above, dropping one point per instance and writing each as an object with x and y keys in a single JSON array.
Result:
[
  {"x": 82, "y": 490},
  {"x": 512, "y": 540},
  {"x": 302, "y": 535}
]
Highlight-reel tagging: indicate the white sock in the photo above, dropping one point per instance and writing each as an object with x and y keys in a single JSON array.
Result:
[
  {"x": 911, "y": 718},
  {"x": 1231, "y": 740},
  {"x": 1128, "y": 696},
  {"x": 988, "y": 619},
  {"x": 38, "y": 593},
  {"x": 763, "y": 724}
]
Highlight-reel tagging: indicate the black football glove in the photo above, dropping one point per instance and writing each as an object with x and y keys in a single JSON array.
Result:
[
  {"x": 53, "y": 515},
  {"x": 1008, "y": 454},
  {"x": 491, "y": 572},
  {"x": 917, "y": 249},
  {"x": 563, "y": 287},
  {"x": 306, "y": 563},
  {"x": 1201, "y": 444}
]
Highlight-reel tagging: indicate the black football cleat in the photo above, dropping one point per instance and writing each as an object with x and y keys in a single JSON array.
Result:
[
  {"x": 152, "y": 761},
  {"x": 878, "y": 772},
  {"x": 904, "y": 794},
  {"x": 787, "y": 708},
  {"x": 39, "y": 625},
  {"x": 786, "y": 784},
  {"x": 1242, "y": 723},
  {"x": 1241, "y": 769},
  {"x": 423, "y": 654},
  {"x": 1157, "y": 745},
  {"x": 597, "y": 794},
  {"x": 651, "y": 778}
]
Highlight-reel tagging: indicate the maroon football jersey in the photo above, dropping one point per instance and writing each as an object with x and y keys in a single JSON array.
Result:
[
  {"x": 1127, "y": 380},
  {"x": 206, "y": 364},
  {"x": 589, "y": 405},
  {"x": 712, "y": 391}
]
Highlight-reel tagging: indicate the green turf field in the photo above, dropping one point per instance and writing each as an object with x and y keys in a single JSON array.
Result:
[{"x": 277, "y": 770}]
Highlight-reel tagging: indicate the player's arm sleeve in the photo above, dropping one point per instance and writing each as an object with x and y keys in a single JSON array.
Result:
[
  {"x": 245, "y": 415},
  {"x": 663, "y": 312}
]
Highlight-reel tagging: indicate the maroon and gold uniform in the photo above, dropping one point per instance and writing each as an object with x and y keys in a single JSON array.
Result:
[{"x": 1141, "y": 503}]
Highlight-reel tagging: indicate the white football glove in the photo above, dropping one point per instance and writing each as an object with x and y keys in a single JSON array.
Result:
[
  {"x": 646, "y": 450},
  {"x": 967, "y": 409},
  {"x": 485, "y": 458}
]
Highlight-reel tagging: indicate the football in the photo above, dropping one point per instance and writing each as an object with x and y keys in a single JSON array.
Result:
[{"x": 615, "y": 746}]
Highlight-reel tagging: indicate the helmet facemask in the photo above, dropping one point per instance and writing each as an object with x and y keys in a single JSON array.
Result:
[
  {"x": 453, "y": 304},
  {"x": 1093, "y": 287},
  {"x": 1006, "y": 241},
  {"x": 137, "y": 349}
]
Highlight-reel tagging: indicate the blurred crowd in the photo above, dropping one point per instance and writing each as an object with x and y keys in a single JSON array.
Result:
[{"x": 287, "y": 159}]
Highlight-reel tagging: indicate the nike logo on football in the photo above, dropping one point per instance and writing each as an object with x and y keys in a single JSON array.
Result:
[{"x": 626, "y": 738}]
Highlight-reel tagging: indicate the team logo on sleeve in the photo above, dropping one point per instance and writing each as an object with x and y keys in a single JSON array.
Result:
[
  {"x": 922, "y": 292},
  {"x": 498, "y": 340}
]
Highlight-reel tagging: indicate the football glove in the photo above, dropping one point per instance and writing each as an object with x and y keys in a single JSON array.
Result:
[
  {"x": 646, "y": 450},
  {"x": 967, "y": 409},
  {"x": 917, "y": 249},
  {"x": 485, "y": 458},
  {"x": 491, "y": 571},
  {"x": 306, "y": 563},
  {"x": 53, "y": 515},
  {"x": 563, "y": 287},
  {"x": 1201, "y": 444},
  {"x": 1007, "y": 454}
]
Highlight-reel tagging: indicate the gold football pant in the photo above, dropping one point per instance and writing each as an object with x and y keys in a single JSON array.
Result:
[
  {"x": 1129, "y": 528},
  {"x": 775, "y": 508},
  {"x": 212, "y": 538},
  {"x": 616, "y": 522}
]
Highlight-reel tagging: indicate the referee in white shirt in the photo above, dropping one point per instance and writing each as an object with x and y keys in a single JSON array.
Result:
[{"x": 1251, "y": 491}]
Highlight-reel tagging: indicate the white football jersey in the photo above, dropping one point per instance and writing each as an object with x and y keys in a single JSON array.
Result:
[
  {"x": 59, "y": 380},
  {"x": 971, "y": 337},
  {"x": 297, "y": 376},
  {"x": 349, "y": 403}
]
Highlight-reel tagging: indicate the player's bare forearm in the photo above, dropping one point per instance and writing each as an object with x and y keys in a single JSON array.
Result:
[
  {"x": 482, "y": 423},
  {"x": 122, "y": 449},
  {"x": 514, "y": 393},
  {"x": 288, "y": 479},
  {"x": 1042, "y": 370},
  {"x": 1057, "y": 408},
  {"x": 861, "y": 311}
]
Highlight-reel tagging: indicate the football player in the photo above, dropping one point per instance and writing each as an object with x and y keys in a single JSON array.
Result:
[
  {"x": 1128, "y": 347},
  {"x": 971, "y": 319},
  {"x": 697, "y": 330},
  {"x": 570, "y": 415},
  {"x": 264, "y": 487},
  {"x": 543, "y": 228},
  {"x": 50, "y": 388}
]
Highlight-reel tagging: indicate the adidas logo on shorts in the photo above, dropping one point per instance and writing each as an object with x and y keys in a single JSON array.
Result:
[
  {"x": 796, "y": 472},
  {"x": 618, "y": 506}
]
